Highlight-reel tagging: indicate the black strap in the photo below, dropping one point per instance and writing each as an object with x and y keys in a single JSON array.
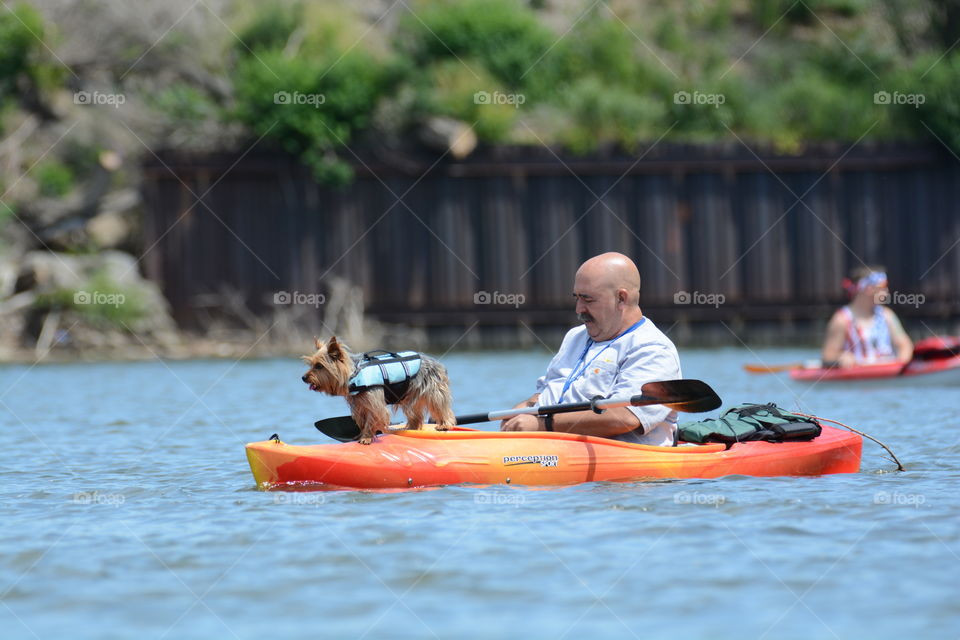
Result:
[
  {"x": 368, "y": 359},
  {"x": 770, "y": 407},
  {"x": 368, "y": 355},
  {"x": 383, "y": 372},
  {"x": 593, "y": 404},
  {"x": 548, "y": 422},
  {"x": 395, "y": 391}
]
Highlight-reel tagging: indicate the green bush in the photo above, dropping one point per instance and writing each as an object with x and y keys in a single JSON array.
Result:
[
  {"x": 100, "y": 301},
  {"x": 503, "y": 35},
  {"x": 813, "y": 106},
  {"x": 54, "y": 179},
  {"x": 22, "y": 53},
  {"x": 704, "y": 110},
  {"x": 768, "y": 12},
  {"x": 603, "y": 113},
  {"x": 17, "y": 44},
  {"x": 858, "y": 61},
  {"x": 937, "y": 85},
  {"x": 7, "y": 212},
  {"x": 185, "y": 103},
  {"x": 315, "y": 100},
  {"x": 602, "y": 47},
  {"x": 271, "y": 27},
  {"x": 447, "y": 88},
  {"x": 311, "y": 105},
  {"x": 717, "y": 17}
]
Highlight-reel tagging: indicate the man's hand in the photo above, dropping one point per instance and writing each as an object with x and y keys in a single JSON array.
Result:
[{"x": 523, "y": 422}]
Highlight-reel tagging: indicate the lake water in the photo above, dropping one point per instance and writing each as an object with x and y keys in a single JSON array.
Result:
[{"x": 128, "y": 510}]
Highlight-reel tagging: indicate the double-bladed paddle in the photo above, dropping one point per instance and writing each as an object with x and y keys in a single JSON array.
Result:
[{"x": 688, "y": 396}]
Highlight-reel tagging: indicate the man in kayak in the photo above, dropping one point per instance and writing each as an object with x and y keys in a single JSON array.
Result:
[
  {"x": 865, "y": 331},
  {"x": 612, "y": 354}
]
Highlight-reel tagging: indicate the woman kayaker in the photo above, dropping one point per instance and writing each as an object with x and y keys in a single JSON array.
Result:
[
  {"x": 612, "y": 354},
  {"x": 865, "y": 331}
]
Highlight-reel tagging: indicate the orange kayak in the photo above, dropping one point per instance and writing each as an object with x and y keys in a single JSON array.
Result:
[{"x": 428, "y": 458}]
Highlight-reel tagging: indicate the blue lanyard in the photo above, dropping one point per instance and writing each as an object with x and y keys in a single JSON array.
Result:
[{"x": 578, "y": 370}]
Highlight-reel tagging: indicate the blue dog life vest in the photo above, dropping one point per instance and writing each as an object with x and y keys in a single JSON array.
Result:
[{"x": 392, "y": 371}]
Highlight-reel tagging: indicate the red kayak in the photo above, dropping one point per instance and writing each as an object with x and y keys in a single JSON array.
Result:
[{"x": 936, "y": 359}]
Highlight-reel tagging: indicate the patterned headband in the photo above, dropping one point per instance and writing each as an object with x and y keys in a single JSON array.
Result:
[{"x": 874, "y": 278}]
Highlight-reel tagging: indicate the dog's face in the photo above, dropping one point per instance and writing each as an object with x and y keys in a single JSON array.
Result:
[{"x": 330, "y": 368}]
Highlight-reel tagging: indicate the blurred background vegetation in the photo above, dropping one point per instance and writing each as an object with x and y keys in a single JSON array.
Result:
[
  {"x": 789, "y": 71},
  {"x": 589, "y": 75}
]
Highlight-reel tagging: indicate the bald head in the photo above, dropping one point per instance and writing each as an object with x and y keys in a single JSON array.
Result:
[
  {"x": 612, "y": 272},
  {"x": 607, "y": 289}
]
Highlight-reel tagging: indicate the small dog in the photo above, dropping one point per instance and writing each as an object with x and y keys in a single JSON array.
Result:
[{"x": 332, "y": 367}]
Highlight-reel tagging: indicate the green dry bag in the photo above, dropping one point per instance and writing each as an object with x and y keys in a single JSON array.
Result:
[{"x": 748, "y": 422}]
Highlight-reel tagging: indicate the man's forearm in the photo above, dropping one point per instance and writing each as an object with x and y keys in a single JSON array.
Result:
[
  {"x": 529, "y": 402},
  {"x": 611, "y": 422}
]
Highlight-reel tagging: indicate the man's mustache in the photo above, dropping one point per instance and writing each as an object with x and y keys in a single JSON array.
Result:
[{"x": 584, "y": 317}]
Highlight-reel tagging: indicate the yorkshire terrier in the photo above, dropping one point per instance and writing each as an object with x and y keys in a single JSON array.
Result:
[{"x": 333, "y": 370}]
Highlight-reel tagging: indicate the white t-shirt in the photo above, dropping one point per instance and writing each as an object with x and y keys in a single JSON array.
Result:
[{"x": 616, "y": 368}]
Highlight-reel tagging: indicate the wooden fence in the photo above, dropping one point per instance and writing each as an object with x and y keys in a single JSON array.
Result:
[{"x": 425, "y": 238}]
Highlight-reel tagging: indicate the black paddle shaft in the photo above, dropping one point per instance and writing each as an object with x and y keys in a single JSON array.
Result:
[
  {"x": 549, "y": 409},
  {"x": 553, "y": 409}
]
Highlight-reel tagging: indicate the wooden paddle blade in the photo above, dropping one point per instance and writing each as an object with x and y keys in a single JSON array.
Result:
[
  {"x": 342, "y": 428},
  {"x": 775, "y": 368},
  {"x": 689, "y": 396}
]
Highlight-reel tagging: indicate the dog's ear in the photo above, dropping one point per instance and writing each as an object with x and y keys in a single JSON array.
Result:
[
  {"x": 317, "y": 343},
  {"x": 333, "y": 349}
]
